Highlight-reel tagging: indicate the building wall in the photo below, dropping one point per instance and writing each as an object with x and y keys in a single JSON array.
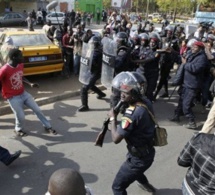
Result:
[
  {"x": 63, "y": 5},
  {"x": 20, "y": 6},
  {"x": 88, "y": 6}
]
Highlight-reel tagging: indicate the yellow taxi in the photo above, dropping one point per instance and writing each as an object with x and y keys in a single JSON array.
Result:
[
  {"x": 156, "y": 20},
  {"x": 40, "y": 54}
]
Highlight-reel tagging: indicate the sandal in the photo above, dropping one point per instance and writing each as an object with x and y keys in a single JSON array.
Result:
[
  {"x": 21, "y": 133},
  {"x": 51, "y": 131}
]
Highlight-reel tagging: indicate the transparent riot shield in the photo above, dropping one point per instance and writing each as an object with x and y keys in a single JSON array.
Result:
[
  {"x": 108, "y": 61},
  {"x": 86, "y": 63}
]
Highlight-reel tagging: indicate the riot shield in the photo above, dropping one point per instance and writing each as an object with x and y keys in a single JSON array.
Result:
[
  {"x": 108, "y": 61},
  {"x": 86, "y": 62}
]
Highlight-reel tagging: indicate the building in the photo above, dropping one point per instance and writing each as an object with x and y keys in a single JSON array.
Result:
[
  {"x": 29, "y": 5},
  {"x": 90, "y": 6}
]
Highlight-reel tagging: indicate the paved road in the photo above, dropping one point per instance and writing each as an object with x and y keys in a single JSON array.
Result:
[{"x": 74, "y": 147}]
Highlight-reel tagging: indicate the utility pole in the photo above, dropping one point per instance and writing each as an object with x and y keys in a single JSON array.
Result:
[{"x": 147, "y": 10}]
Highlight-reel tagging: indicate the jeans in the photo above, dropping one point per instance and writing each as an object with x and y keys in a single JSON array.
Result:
[
  {"x": 25, "y": 99},
  {"x": 76, "y": 66}
]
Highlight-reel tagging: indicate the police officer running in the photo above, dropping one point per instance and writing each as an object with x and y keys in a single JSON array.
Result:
[
  {"x": 95, "y": 74},
  {"x": 137, "y": 128}
]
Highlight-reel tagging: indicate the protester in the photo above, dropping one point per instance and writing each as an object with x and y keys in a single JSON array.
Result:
[
  {"x": 198, "y": 155},
  {"x": 11, "y": 78},
  {"x": 67, "y": 181}
]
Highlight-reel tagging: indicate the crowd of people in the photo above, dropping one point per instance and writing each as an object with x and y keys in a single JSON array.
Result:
[{"x": 139, "y": 63}]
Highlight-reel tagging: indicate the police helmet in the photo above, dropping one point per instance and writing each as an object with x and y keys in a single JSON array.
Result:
[
  {"x": 135, "y": 38},
  {"x": 96, "y": 40},
  {"x": 130, "y": 82},
  {"x": 121, "y": 38},
  {"x": 155, "y": 36},
  {"x": 144, "y": 36},
  {"x": 169, "y": 28}
]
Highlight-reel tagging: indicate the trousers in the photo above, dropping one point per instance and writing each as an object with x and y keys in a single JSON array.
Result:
[
  {"x": 18, "y": 102},
  {"x": 4, "y": 155},
  {"x": 132, "y": 170}
]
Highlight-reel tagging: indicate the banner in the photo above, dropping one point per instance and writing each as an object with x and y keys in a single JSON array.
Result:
[
  {"x": 116, "y": 3},
  {"x": 124, "y": 4}
]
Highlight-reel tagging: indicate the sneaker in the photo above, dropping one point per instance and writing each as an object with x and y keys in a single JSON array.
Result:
[
  {"x": 100, "y": 96},
  {"x": 20, "y": 133},
  {"x": 190, "y": 125},
  {"x": 146, "y": 187},
  {"x": 51, "y": 131},
  {"x": 83, "y": 108},
  {"x": 13, "y": 157}
]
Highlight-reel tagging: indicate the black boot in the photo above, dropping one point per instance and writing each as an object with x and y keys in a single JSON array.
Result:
[
  {"x": 175, "y": 118},
  {"x": 146, "y": 187},
  {"x": 13, "y": 157},
  {"x": 83, "y": 108},
  {"x": 165, "y": 94},
  {"x": 101, "y": 95},
  {"x": 84, "y": 100}
]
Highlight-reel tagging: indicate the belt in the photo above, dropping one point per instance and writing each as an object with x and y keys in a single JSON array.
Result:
[{"x": 139, "y": 151}]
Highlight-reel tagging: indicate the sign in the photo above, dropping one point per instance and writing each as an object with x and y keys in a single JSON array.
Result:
[
  {"x": 124, "y": 4},
  {"x": 116, "y": 3}
]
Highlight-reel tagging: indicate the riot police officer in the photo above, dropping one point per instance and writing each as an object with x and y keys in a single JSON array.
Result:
[
  {"x": 122, "y": 62},
  {"x": 137, "y": 128},
  {"x": 94, "y": 76},
  {"x": 149, "y": 64}
]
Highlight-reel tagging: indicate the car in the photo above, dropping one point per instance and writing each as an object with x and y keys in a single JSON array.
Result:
[
  {"x": 12, "y": 19},
  {"x": 56, "y": 17},
  {"x": 40, "y": 54},
  {"x": 154, "y": 15},
  {"x": 156, "y": 20}
]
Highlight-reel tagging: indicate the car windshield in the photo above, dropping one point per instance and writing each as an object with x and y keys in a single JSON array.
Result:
[{"x": 30, "y": 40}]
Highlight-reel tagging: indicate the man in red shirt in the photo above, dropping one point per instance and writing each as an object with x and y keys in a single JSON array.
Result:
[{"x": 11, "y": 78}]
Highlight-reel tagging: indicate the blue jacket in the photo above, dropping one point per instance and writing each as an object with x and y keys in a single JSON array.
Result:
[{"x": 194, "y": 70}]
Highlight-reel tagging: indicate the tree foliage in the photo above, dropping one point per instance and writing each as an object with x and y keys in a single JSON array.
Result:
[
  {"x": 180, "y": 5},
  {"x": 106, "y": 4}
]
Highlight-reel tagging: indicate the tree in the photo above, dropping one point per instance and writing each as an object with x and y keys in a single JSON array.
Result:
[
  {"x": 179, "y": 5},
  {"x": 106, "y": 4}
]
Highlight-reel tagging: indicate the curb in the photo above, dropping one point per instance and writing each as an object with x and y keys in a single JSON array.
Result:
[{"x": 47, "y": 100}]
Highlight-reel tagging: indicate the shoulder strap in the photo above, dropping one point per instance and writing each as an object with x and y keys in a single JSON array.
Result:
[{"x": 150, "y": 113}]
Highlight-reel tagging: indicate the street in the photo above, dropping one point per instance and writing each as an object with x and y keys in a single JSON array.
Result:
[{"x": 74, "y": 148}]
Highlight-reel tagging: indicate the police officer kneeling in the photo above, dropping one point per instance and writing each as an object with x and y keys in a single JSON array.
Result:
[{"x": 137, "y": 128}]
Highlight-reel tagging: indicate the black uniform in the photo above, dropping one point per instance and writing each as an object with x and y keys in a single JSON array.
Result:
[
  {"x": 150, "y": 69},
  {"x": 121, "y": 64},
  {"x": 137, "y": 128},
  {"x": 95, "y": 75}
]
